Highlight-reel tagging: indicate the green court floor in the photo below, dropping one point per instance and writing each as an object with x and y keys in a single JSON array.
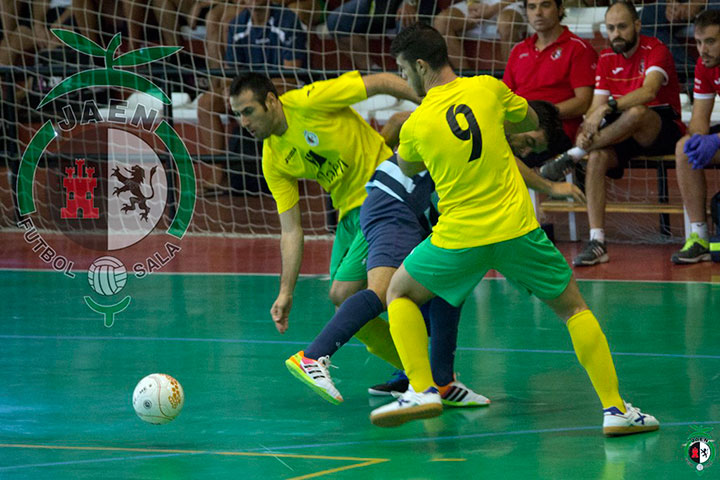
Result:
[{"x": 66, "y": 383}]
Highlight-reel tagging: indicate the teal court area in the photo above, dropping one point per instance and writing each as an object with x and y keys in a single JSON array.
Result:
[{"x": 67, "y": 380}]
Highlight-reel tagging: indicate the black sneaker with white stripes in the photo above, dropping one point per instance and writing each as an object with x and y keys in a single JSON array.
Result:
[{"x": 594, "y": 253}]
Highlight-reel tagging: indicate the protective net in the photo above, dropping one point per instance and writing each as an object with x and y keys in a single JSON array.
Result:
[{"x": 115, "y": 81}]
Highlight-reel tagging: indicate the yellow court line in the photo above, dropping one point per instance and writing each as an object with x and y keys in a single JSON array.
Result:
[
  {"x": 364, "y": 461},
  {"x": 112, "y": 449},
  {"x": 449, "y": 460},
  {"x": 340, "y": 469},
  {"x": 297, "y": 455}
]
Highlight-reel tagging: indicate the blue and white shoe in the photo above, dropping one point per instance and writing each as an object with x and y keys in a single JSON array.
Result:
[
  {"x": 408, "y": 406},
  {"x": 616, "y": 423}
]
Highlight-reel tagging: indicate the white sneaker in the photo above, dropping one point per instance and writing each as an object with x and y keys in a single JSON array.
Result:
[
  {"x": 314, "y": 374},
  {"x": 616, "y": 423},
  {"x": 408, "y": 406},
  {"x": 459, "y": 395}
]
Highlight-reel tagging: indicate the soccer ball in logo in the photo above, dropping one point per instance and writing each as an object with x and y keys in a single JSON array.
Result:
[
  {"x": 107, "y": 275},
  {"x": 158, "y": 398}
]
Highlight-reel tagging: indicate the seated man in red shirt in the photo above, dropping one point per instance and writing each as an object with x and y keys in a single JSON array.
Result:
[
  {"x": 699, "y": 148},
  {"x": 635, "y": 111},
  {"x": 554, "y": 65}
]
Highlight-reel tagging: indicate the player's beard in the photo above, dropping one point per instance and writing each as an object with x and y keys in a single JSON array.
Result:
[
  {"x": 416, "y": 83},
  {"x": 710, "y": 62},
  {"x": 626, "y": 45}
]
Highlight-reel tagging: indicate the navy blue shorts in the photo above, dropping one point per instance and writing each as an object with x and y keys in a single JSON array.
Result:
[{"x": 391, "y": 229}]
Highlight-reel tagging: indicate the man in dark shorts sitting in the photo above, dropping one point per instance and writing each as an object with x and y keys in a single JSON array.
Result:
[{"x": 635, "y": 111}]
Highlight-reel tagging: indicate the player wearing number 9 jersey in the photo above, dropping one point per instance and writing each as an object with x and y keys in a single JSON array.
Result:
[
  {"x": 486, "y": 221},
  {"x": 483, "y": 198}
]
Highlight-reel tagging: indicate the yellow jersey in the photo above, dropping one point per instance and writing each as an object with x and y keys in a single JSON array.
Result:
[
  {"x": 458, "y": 131},
  {"x": 327, "y": 141}
]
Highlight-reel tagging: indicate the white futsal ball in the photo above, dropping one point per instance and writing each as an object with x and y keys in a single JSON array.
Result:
[
  {"x": 158, "y": 398},
  {"x": 107, "y": 275}
]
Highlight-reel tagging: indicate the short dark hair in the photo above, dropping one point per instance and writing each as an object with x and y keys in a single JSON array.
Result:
[
  {"x": 257, "y": 83},
  {"x": 557, "y": 2},
  {"x": 549, "y": 119},
  {"x": 629, "y": 6},
  {"x": 421, "y": 41},
  {"x": 707, "y": 18}
]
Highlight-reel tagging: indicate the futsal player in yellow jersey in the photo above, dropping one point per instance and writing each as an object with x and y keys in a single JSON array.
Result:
[
  {"x": 486, "y": 222},
  {"x": 313, "y": 133}
]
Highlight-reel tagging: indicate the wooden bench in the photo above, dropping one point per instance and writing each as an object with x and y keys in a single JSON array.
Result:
[
  {"x": 661, "y": 207},
  {"x": 613, "y": 207}
]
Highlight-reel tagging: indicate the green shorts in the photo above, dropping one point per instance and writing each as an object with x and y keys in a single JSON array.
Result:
[
  {"x": 531, "y": 262},
  {"x": 350, "y": 250}
]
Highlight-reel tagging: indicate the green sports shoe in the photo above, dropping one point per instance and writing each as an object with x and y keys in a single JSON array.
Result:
[{"x": 695, "y": 250}]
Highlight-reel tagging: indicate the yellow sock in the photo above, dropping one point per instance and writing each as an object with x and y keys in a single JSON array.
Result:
[
  {"x": 592, "y": 350},
  {"x": 376, "y": 337},
  {"x": 410, "y": 335}
]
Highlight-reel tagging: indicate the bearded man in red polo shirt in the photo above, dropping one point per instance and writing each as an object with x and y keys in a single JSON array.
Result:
[
  {"x": 635, "y": 111},
  {"x": 554, "y": 65}
]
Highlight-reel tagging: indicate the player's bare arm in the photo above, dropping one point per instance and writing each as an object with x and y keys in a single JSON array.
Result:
[
  {"x": 391, "y": 130},
  {"x": 389, "y": 84},
  {"x": 292, "y": 241},
  {"x": 543, "y": 185}
]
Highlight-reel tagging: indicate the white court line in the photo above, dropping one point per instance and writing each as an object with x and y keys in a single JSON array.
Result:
[
  {"x": 287, "y": 342},
  {"x": 327, "y": 276},
  {"x": 475, "y": 436}
]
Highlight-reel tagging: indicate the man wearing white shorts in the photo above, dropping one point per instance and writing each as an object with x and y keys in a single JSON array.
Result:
[{"x": 481, "y": 20}]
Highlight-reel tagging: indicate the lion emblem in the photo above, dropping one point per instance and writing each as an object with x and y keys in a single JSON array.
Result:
[{"x": 133, "y": 184}]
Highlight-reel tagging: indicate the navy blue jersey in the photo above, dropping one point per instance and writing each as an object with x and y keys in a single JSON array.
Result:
[
  {"x": 416, "y": 192},
  {"x": 265, "y": 46}
]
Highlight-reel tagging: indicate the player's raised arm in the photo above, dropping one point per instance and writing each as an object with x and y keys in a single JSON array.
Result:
[
  {"x": 292, "y": 241},
  {"x": 389, "y": 84}
]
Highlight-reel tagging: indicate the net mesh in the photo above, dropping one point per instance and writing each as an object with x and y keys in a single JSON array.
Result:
[{"x": 232, "y": 197}]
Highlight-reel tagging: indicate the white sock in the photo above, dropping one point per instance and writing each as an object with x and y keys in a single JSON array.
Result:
[
  {"x": 577, "y": 153},
  {"x": 701, "y": 229},
  {"x": 597, "y": 234}
]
